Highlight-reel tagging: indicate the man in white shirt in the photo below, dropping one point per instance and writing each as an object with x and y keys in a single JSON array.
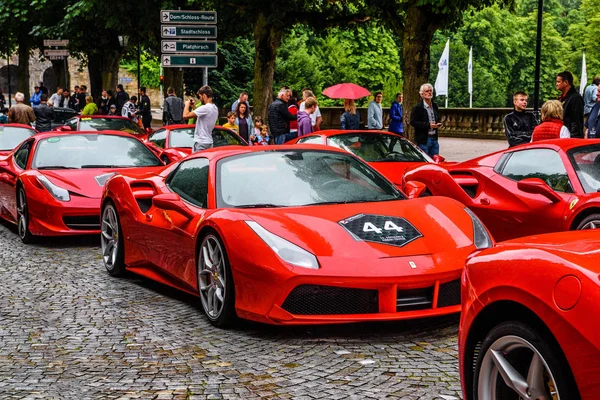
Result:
[
  {"x": 315, "y": 118},
  {"x": 206, "y": 116},
  {"x": 55, "y": 98}
]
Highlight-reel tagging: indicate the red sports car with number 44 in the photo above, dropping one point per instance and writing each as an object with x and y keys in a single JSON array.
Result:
[
  {"x": 530, "y": 325},
  {"x": 289, "y": 235},
  {"x": 541, "y": 187}
]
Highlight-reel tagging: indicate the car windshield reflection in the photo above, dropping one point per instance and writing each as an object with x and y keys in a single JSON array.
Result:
[
  {"x": 298, "y": 178},
  {"x": 92, "y": 151},
  {"x": 586, "y": 162},
  {"x": 11, "y": 136},
  {"x": 110, "y": 124},
  {"x": 379, "y": 147},
  {"x": 184, "y": 138}
]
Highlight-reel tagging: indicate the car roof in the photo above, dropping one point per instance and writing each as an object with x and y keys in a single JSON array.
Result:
[
  {"x": 18, "y": 126},
  {"x": 558, "y": 144},
  {"x": 101, "y": 116},
  {"x": 49, "y": 134},
  {"x": 217, "y": 153},
  {"x": 335, "y": 132},
  {"x": 192, "y": 126}
]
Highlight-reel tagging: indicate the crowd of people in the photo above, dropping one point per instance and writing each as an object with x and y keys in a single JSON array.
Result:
[{"x": 570, "y": 116}]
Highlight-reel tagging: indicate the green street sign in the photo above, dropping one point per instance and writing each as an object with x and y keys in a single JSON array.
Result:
[
  {"x": 188, "y": 17},
  {"x": 188, "y": 46},
  {"x": 189, "y": 31},
  {"x": 189, "y": 60}
]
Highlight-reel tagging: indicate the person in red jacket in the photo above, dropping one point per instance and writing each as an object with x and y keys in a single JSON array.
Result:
[{"x": 552, "y": 126}]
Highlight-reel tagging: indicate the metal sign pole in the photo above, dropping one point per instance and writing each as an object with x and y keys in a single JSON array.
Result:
[
  {"x": 205, "y": 77},
  {"x": 66, "y": 73},
  {"x": 8, "y": 73}
]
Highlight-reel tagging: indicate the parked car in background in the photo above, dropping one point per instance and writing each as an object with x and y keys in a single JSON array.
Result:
[
  {"x": 62, "y": 115},
  {"x": 388, "y": 153},
  {"x": 101, "y": 123}
]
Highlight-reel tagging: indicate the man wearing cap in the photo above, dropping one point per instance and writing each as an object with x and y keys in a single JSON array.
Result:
[
  {"x": 113, "y": 110},
  {"x": 34, "y": 100}
]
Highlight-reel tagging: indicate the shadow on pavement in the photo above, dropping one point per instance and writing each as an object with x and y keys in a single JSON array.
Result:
[{"x": 57, "y": 241}]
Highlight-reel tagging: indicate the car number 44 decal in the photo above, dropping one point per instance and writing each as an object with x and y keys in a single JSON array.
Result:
[{"x": 380, "y": 229}]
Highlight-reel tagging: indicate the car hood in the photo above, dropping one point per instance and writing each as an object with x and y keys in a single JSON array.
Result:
[
  {"x": 325, "y": 230},
  {"x": 88, "y": 182},
  {"x": 394, "y": 170}
]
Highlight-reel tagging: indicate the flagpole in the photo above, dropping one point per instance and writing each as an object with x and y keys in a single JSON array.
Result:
[{"x": 470, "y": 70}]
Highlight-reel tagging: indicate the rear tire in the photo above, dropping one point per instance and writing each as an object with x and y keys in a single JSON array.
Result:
[
  {"x": 515, "y": 357},
  {"x": 590, "y": 222},
  {"x": 111, "y": 239},
  {"x": 23, "y": 218}
]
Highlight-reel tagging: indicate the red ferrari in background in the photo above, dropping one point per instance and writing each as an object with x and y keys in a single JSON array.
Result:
[
  {"x": 541, "y": 187},
  {"x": 13, "y": 134},
  {"x": 289, "y": 235},
  {"x": 52, "y": 183},
  {"x": 530, "y": 324},
  {"x": 90, "y": 123},
  {"x": 173, "y": 142}
]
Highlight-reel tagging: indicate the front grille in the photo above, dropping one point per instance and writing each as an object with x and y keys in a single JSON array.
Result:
[
  {"x": 414, "y": 299},
  {"x": 449, "y": 294},
  {"x": 82, "y": 223},
  {"x": 331, "y": 300}
]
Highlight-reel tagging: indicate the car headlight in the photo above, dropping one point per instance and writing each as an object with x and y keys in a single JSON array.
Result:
[
  {"x": 481, "y": 237},
  {"x": 286, "y": 250},
  {"x": 58, "y": 192}
]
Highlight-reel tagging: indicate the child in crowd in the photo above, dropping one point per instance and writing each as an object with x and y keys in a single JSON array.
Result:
[
  {"x": 258, "y": 123},
  {"x": 231, "y": 122},
  {"x": 263, "y": 137}
]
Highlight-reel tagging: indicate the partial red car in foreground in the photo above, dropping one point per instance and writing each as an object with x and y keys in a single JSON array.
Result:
[
  {"x": 289, "y": 235},
  {"x": 13, "y": 134},
  {"x": 530, "y": 324},
  {"x": 173, "y": 142},
  {"x": 541, "y": 187},
  {"x": 90, "y": 123},
  {"x": 52, "y": 183},
  {"x": 388, "y": 153}
]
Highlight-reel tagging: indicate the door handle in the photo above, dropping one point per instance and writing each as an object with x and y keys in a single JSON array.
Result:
[{"x": 485, "y": 202}]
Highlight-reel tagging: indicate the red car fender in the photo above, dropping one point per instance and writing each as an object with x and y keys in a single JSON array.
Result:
[{"x": 579, "y": 209}]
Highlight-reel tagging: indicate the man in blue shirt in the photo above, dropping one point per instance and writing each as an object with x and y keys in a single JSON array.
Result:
[
  {"x": 396, "y": 115},
  {"x": 375, "y": 113}
]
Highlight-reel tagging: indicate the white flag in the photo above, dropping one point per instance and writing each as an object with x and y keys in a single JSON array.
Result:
[
  {"x": 470, "y": 69},
  {"x": 441, "y": 82},
  {"x": 583, "y": 76}
]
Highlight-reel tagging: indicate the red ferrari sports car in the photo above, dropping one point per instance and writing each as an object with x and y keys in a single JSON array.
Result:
[
  {"x": 176, "y": 141},
  {"x": 541, "y": 187},
  {"x": 530, "y": 325},
  {"x": 388, "y": 153},
  {"x": 289, "y": 235},
  {"x": 90, "y": 123},
  {"x": 13, "y": 134},
  {"x": 52, "y": 183}
]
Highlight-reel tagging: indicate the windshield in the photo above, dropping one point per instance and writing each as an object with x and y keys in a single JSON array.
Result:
[
  {"x": 586, "y": 162},
  {"x": 379, "y": 147},
  {"x": 297, "y": 178},
  {"x": 110, "y": 124},
  {"x": 11, "y": 136},
  {"x": 92, "y": 151},
  {"x": 185, "y": 138}
]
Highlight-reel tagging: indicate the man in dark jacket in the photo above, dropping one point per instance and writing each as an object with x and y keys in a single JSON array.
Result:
[
  {"x": 424, "y": 118},
  {"x": 144, "y": 108},
  {"x": 44, "y": 115},
  {"x": 172, "y": 108},
  {"x": 572, "y": 104},
  {"x": 519, "y": 124},
  {"x": 121, "y": 97},
  {"x": 280, "y": 117},
  {"x": 81, "y": 97}
]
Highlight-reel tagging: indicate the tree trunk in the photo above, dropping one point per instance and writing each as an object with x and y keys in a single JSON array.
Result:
[
  {"x": 104, "y": 71},
  {"x": 267, "y": 39},
  {"x": 60, "y": 68},
  {"x": 174, "y": 78},
  {"x": 416, "y": 42},
  {"x": 23, "y": 69}
]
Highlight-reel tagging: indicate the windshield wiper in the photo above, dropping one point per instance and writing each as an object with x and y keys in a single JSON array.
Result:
[
  {"x": 261, "y": 205},
  {"x": 106, "y": 166},
  {"x": 55, "y": 167}
]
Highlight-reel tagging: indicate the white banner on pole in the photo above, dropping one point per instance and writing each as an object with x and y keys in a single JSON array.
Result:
[
  {"x": 441, "y": 82},
  {"x": 470, "y": 69},
  {"x": 583, "y": 76}
]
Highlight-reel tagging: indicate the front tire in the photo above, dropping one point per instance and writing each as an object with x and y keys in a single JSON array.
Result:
[
  {"x": 215, "y": 282},
  {"x": 111, "y": 239},
  {"x": 23, "y": 218},
  {"x": 518, "y": 362},
  {"x": 590, "y": 222}
]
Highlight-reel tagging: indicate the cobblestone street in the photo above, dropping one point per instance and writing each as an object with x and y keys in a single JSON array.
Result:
[{"x": 68, "y": 330}]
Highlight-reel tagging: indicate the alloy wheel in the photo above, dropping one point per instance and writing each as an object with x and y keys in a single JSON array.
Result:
[
  {"x": 22, "y": 214},
  {"x": 593, "y": 224},
  {"x": 109, "y": 237},
  {"x": 512, "y": 365},
  {"x": 212, "y": 277}
]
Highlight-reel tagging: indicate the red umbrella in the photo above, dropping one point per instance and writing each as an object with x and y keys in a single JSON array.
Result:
[{"x": 346, "y": 91}]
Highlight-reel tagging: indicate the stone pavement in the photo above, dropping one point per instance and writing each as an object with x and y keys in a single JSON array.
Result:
[
  {"x": 70, "y": 331},
  {"x": 456, "y": 149}
]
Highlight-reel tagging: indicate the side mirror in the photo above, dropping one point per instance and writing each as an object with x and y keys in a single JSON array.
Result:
[
  {"x": 64, "y": 128},
  {"x": 438, "y": 159},
  {"x": 172, "y": 201},
  {"x": 414, "y": 189},
  {"x": 169, "y": 156},
  {"x": 538, "y": 186}
]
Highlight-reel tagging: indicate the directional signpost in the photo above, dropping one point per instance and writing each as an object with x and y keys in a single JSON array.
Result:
[{"x": 196, "y": 52}]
